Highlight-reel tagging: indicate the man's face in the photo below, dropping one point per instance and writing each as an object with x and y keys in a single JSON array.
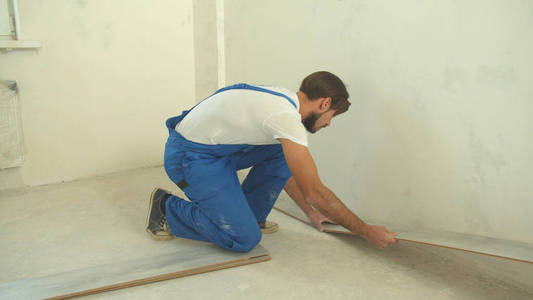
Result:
[{"x": 317, "y": 121}]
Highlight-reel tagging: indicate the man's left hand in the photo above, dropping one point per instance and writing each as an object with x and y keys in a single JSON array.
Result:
[{"x": 317, "y": 218}]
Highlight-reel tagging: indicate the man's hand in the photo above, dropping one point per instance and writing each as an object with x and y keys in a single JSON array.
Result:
[
  {"x": 315, "y": 194},
  {"x": 317, "y": 219},
  {"x": 379, "y": 236}
]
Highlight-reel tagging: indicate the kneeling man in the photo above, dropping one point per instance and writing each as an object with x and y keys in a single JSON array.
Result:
[{"x": 243, "y": 126}]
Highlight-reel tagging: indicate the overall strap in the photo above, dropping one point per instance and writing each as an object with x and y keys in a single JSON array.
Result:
[
  {"x": 171, "y": 123},
  {"x": 244, "y": 86}
]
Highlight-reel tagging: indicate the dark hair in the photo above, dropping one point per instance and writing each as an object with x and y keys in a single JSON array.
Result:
[{"x": 324, "y": 84}]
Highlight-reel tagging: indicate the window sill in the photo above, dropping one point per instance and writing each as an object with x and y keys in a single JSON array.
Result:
[{"x": 18, "y": 44}]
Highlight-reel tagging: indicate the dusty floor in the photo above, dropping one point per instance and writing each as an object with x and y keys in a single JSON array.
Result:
[{"x": 49, "y": 229}]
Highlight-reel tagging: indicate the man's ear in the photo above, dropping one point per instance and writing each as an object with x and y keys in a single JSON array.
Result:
[{"x": 325, "y": 104}]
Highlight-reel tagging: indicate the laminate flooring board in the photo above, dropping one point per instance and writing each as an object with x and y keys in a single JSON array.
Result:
[
  {"x": 90, "y": 233},
  {"x": 130, "y": 273},
  {"x": 512, "y": 250}
]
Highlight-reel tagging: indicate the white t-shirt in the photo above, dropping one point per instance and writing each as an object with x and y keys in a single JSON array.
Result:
[{"x": 243, "y": 116}]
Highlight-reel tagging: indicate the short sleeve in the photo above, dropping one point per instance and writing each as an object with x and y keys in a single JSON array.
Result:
[{"x": 286, "y": 125}]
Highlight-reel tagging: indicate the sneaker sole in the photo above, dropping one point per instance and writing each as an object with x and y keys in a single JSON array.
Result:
[
  {"x": 159, "y": 237},
  {"x": 150, "y": 206},
  {"x": 271, "y": 229}
]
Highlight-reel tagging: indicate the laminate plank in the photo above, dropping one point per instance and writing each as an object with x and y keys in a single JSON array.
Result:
[
  {"x": 130, "y": 273},
  {"x": 505, "y": 249}
]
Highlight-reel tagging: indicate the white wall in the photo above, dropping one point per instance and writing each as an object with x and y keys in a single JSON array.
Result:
[
  {"x": 95, "y": 97},
  {"x": 205, "y": 48},
  {"x": 439, "y": 135}
]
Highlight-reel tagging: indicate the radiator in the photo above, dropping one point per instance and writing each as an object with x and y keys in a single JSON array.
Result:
[{"x": 11, "y": 147}]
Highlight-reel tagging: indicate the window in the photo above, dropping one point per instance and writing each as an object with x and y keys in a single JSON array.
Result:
[
  {"x": 10, "y": 36},
  {"x": 6, "y": 31}
]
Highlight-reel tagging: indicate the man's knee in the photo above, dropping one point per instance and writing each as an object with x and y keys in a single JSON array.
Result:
[{"x": 248, "y": 239}]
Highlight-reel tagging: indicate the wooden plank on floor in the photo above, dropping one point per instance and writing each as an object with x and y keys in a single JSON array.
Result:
[
  {"x": 130, "y": 273},
  {"x": 512, "y": 250}
]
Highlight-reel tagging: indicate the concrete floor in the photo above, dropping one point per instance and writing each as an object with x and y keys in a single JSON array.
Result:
[{"x": 48, "y": 229}]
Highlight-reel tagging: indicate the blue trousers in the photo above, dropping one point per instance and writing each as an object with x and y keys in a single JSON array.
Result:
[{"x": 220, "y": 210}]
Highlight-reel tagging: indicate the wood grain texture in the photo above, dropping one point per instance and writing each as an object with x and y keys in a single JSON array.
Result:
[
  {"x": 130, "y": 273},
  {"x": 505, "y": 249}
]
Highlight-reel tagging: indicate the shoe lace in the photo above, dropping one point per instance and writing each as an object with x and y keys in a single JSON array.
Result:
[{"x": 163, "y": 224}]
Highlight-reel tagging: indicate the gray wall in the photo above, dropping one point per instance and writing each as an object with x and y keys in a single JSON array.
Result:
[{"x": 439, "y": 135}]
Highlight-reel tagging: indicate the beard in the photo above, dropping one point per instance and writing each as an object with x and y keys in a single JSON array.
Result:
[{"x": 309, "y": 122}]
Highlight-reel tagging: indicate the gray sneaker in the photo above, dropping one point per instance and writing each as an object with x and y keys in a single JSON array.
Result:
[{"x": 156, "y": 221}]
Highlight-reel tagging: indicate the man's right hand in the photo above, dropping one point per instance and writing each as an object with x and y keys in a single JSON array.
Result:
[{"x": 379, "y": 236}]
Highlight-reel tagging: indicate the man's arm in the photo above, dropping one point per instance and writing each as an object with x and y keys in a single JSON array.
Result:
[
  {"x": 293, "y": 190},
  {"x": 305, "y": 174}
]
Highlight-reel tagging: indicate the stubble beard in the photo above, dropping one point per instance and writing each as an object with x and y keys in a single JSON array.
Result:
[{"x": 309, "y": 122}]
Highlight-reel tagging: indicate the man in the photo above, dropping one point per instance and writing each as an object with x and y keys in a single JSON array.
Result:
[{"x": 244, "y": 126}]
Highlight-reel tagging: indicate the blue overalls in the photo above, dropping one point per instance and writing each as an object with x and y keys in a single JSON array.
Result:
[{"x": 221, "y": 211}]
